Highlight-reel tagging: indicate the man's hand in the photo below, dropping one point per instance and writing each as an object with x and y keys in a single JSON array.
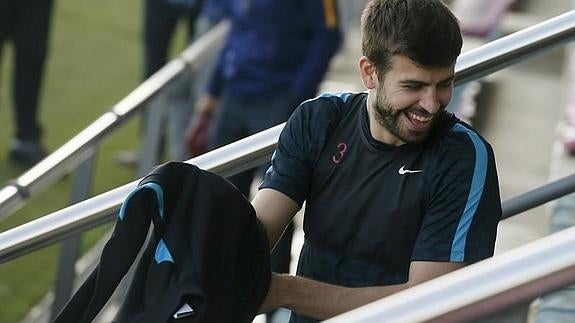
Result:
[
  {"x": 206, "y": 104},
  {"x": 197, "y": 134},
  {"x": 322, "y": 301}
]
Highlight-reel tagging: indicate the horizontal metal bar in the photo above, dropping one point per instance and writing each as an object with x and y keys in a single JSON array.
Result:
[
  {"x": 249, "y": 152},
  {"x": 197, "y": 54},
  {"x": 538, "y": 196},
  {"x": 83, "y": 145},
  {"x": 508, "y": 50},
  {"x": 480, "y": 289}
]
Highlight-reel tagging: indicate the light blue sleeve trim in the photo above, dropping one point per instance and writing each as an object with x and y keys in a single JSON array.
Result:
[
  {"x": 162, "y": 253},
  {"x": 477, "y": 184},
  {"x": 153, "y": 186},
  {"x": 344, "y": 96}
]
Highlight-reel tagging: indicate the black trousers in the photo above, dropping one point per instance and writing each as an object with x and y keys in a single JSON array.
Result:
[
  {"x": 159, "y": 23},
  {"x": 160, "y": 20},
  {"x": 27, "y": 24}
]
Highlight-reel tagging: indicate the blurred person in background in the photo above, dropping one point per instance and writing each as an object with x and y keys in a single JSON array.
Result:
[
  {"x": 27, "y": 24},
  {"x": 275, "y": 56}
]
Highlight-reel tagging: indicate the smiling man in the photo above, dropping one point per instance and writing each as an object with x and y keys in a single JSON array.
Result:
[{"x": 398, "y": 191}]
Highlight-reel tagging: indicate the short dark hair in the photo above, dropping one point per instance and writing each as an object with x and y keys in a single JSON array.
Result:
[{"x": 425, "y": 31}]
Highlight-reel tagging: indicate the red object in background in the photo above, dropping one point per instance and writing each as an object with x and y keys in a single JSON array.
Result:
[{"x": 197, "y": 134}]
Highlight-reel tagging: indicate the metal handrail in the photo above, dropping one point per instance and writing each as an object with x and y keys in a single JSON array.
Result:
[
  {"x": 539, "y": 196},
  {"x": 478, "y": 290},
  {"x": 256, "y": 149},
  {"x": 510, "y": 49},
  {"x": 83, "y": 145}
]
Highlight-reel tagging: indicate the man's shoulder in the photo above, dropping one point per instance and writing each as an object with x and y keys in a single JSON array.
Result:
[
  {"x": 455, "y": 137},
  {"x": 340, "y": 98},
  {"x": 327, "y": 110},
  {"x": 334, "y": 103},
  {"x": 469, "y": 135},
  {"x": 449, "y": 126}
]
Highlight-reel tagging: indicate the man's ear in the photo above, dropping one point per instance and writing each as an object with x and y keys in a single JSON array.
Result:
[{"x": 367, "y": 71}]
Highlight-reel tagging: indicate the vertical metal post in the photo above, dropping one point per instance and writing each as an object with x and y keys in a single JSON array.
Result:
[
  {"x": 71, "y": 247},
  {"x": 150, "y": 149}
]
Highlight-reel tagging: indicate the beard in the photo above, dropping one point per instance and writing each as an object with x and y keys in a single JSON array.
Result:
[{"x": 389, "y": 117}]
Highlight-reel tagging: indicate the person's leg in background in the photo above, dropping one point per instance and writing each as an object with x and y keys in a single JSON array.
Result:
[
  {"x": 182, "y": 96},
  {"x": 229, "y": 125},
  {"x": 30, "y": 36},
  {"x": 159, "y": 21},
  {"x": 7, "y": 18}
]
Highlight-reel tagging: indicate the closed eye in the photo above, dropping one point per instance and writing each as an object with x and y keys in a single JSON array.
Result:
[{"x": 412, "y": 85}]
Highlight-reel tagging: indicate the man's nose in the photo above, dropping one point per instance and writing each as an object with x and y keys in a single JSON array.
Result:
[{"x": 430, "y": 100}]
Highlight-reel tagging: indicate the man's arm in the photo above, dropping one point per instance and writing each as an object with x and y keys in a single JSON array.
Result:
[
  {"x": 321, "y": 301},
  {"x": 313, "y": 298},
  {"x": 275, "y": 210}
]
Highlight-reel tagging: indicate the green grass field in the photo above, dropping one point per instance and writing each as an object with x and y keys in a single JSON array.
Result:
[{"x": 94, "y": 61}]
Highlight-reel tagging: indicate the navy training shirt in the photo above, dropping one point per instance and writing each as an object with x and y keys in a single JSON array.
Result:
[{"x": 372, "y": 208}]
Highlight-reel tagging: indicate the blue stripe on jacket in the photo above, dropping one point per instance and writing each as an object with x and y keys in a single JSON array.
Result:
[{"x": 162, "y": 251}]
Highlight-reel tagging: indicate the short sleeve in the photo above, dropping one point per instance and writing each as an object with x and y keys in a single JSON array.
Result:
[
  {"x": 464, "y": 206},
  {"x": 299, "y": 146}
]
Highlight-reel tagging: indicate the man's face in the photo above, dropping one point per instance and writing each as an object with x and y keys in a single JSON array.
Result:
[{"x": 409, "y": 98}]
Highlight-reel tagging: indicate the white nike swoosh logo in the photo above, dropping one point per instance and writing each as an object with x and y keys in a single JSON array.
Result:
[{"x": 403, "y": 171}]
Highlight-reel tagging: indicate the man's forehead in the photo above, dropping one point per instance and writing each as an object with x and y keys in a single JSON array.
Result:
[{"x": 403, "y": 67}]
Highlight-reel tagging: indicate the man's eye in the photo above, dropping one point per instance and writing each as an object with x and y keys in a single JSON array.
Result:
[{"x": 412, "y": 86}]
